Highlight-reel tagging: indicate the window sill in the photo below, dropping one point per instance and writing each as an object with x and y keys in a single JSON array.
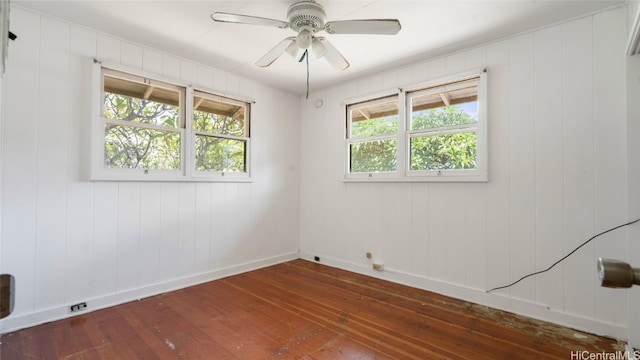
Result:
[
  {"x": 119, "y": 177},
  {"x": 443, "y": 178}
]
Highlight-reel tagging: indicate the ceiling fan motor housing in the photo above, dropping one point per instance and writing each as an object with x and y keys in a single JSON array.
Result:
[{"x": 306, "y": 15}]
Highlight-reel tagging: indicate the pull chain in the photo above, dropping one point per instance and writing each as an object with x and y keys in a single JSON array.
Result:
[{"x": 306, "y": 55}]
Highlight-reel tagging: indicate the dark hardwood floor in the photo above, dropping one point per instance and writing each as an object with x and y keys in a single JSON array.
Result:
[{"x": 299, "y": 310}]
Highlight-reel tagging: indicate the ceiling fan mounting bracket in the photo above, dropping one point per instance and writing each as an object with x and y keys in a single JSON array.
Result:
[{"x": 306, "y": 14}]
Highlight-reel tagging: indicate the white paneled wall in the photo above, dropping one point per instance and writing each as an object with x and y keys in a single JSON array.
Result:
[
  {"x": 557, "y": 176},
  {"x": 68, "y": 240},
  {"x": 633, "y": 165}
]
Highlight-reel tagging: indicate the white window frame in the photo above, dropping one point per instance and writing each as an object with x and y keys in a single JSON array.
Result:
[
  {"x": 246, "y": 138},
  {"x": 187, "y": 172},
  {"x": 354, "y": 105},
  {"x": 403, "y": 172}
]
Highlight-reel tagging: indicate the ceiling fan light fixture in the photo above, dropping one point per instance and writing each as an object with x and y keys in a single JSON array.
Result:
[
  {"x": 292, "y": 49},
  {"x": 318, "y": 48},
  {"x": 304, "y": 39}
]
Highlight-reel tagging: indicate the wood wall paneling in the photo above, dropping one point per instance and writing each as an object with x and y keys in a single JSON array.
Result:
[
  {"x": 455, "y": 239},
  {"x": 401, "y": 257},
  {"x": 633, "y": 183},
  {"x": 578, "y": 132},
  {"x": 131, "y": 55},
  {"x": 189, "y": 72},
  {"x": 521, "y": 164},
  {"x": 549, "y": 166},
  {"x": 171, "y": 66},
  {"x": 20, "y": 159},
  {"x": 497, "y": 209},
  {"x": 610, "y": 161},
  {"x": 419, "y": 229},
  {"x": 128, "y": 244},
  {"x": 475, "y": 204},
  {"x": 151, "y": 61},
  {"x": 105, "y": 237},
  {"x": 150, "y": 232},
  {"x": 437, "y": 232},
  {"x": 51, "y": 174},
  {"x": 79, "y": 219},
  {"x": 220, "y": 246},
  {"x": 203, "y": 227},
  {"x": 109, "y": 49},
  {"x": 186, "y": 229},
  {"x": 170, "y": 235},
  {"x": 205, "y": 76}
]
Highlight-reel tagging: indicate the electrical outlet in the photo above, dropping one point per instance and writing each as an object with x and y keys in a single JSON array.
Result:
[
  {"x": 368, "y": 255},
  {"x": 377, "y": 266},
  {"x": 78, "y": 307}
]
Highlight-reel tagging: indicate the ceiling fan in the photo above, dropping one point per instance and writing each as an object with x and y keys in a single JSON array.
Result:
[{"x": 306, "y": 17}]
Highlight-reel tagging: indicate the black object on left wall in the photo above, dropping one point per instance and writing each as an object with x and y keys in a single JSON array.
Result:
[
  {"x": 12, "y": 36},
  {"x": 7, "y": 294}
]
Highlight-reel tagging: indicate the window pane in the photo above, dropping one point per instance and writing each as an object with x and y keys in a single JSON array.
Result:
[
  {"x": 378, "y": 118},
  {"x": 373, "y": 156},
  {"x": 142, "y": 103},
  {"x": 217, "y": 117},
  {"x": 219, "y": 154},
  {"x": 459, "y": 114},
  {"x": 443, "y": 152},
  {"x": 135, "y": 147}
]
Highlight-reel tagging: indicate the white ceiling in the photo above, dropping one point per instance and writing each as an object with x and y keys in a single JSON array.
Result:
[{"x": 429, "y": 28}]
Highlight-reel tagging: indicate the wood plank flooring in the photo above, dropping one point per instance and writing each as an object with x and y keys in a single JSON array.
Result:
[{"x": 299, "y": 310}]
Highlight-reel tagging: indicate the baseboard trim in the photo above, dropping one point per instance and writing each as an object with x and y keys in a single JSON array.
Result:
[
  {"x": 17, "y": 322},
  {"x": 481, "y": 297}
]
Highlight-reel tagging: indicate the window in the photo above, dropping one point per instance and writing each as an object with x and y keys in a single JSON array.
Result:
[
  {"x": 143, "y": 123},
  {"x": 432, "y": 132},
  {"x": 221, "y": 133},
  {"x": 158, "y": 130},
  {"x": 443, "y": 127},
  {"x": 373, "y": 131}
]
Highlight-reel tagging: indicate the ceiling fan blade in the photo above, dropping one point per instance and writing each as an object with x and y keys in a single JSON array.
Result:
[
  {"x": 275, "y": 53},
  {"x": 246, "y": 19},
  {"x": 332, "y": 55},
  {"x": 371, "y": 26}
]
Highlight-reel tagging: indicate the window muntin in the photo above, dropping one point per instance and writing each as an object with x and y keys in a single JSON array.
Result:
[
  {"x": 373, "y": 129},
  {"x": 221, "y": 128}
]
